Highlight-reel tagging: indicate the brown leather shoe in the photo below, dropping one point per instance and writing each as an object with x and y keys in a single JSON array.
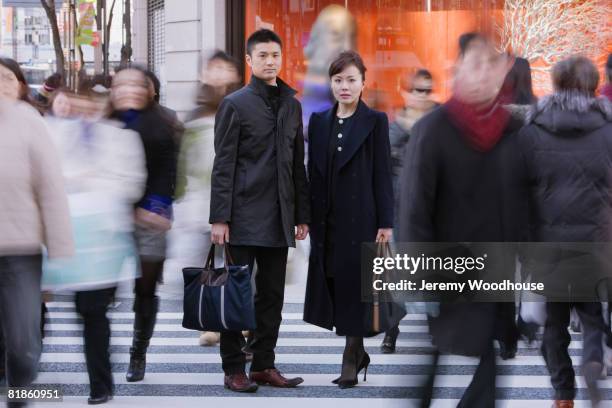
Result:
[
  {"x": 239, "y": 383},
  {"x": 563, "y": 404},
  {"x": 273, "y": 377}
]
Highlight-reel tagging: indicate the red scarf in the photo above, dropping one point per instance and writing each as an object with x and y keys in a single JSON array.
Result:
[{"x": 482, "y": 128}]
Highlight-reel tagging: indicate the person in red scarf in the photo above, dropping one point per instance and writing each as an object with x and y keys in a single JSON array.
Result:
[{"x": 460, "y": 184}]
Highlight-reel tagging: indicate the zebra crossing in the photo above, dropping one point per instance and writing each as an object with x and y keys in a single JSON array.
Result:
[{"x": 183, "y": 374}]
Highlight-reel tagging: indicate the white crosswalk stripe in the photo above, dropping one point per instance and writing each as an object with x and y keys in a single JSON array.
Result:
[{"x": 181, "y": 373}]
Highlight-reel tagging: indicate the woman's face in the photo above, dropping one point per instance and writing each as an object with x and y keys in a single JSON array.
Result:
[
  {"x": 10, "y": 87},
  {"x": 130, "y": 90},
  {"x": 347, "y": 85},
  {"x": 61, "y": 106}
]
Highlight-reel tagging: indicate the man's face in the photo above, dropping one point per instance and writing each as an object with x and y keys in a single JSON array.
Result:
[
  {"x": 480, "y": 73},
  {"x": 130, "y": 90},
  {"x": 265, "y": 61}
]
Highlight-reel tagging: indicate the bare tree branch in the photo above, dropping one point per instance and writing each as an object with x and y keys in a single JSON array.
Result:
[{"x": 546, "y": 31}]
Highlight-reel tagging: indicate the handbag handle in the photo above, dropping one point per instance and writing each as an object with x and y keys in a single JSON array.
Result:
[
  {"x": 383, "y": 249},
  {"x": 210, "y": 259}
]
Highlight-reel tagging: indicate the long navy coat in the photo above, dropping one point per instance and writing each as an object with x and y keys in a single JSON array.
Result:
[{"x": 363, "y": 203}]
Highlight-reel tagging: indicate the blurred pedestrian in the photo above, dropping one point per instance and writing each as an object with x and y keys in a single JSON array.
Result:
[
  {"x": 33, "y": 213},
  {"x": 567, "y": 146},
  {"x": 416, "y": 92},
  {"x": 133, "y": 107},
  {"x": 349, "y": 163},
  {"x": 104, "y": 172},
  {"x": 43, "y": 96},
  {"x": 459, "y": 185},
  {"x": 519, "y": 87},
  {"x": 190, "y": 235},
  {"x": 259, "y": 196},
  {"x": 15, "y": 86}
]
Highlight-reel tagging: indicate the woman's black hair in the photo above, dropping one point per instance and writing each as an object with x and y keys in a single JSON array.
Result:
[
  {"x": 14, "y": 67},
  {"x": 518, "y": 81}
]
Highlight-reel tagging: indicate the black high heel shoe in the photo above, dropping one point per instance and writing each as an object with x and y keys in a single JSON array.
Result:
[{"x": 351, "y": 382}]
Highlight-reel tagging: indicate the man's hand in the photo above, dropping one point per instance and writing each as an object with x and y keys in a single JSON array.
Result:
[
  {"x": 301, "y": 232},
  {"x": 384, "y": 235},
  {"x": 220, "y": 233}
]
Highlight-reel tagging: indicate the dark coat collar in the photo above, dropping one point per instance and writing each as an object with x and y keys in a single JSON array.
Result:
[
  {"x": 259, "y": 87},
  {"x": 359, "y": 129}
]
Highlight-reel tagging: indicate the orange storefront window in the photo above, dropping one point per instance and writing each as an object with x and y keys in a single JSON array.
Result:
[{"x": 396, "y": 37}]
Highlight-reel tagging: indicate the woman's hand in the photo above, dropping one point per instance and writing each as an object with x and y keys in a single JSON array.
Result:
[
  {"x": 384, "y": 235},
  {"x": 151, "y": 220}
]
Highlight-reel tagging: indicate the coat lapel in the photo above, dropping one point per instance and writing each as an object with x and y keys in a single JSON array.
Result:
[
  {"x": 321, "y": 141},
  {"x": 357, "y": 133}
]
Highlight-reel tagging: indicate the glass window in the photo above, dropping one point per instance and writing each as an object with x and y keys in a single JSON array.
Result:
[{"x": 395, "y": 38}]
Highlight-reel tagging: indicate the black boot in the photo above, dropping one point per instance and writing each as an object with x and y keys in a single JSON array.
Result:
[
  {"x": 388, "y": 344},
  {"x": 144, "y": 323}
]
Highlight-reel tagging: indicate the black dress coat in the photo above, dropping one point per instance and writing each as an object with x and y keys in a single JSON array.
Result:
[
  {"x": 363, "y": 203},
  {"x": 451, "y": 192},
  {"x": 259, "y": 184}
]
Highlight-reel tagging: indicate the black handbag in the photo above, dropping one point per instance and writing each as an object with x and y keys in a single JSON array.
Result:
[
  {"x": 383, "y": 314},
  {"x": 218, "y": 299}
]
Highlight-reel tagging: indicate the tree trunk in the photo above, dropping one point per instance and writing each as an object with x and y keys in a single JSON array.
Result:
[
  {"x": 49, "y": 6},
  {"x": 79, "y": 48},
  {"x": 126, "y": 50}
]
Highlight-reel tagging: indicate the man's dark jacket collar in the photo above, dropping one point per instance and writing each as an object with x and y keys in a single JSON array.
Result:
[{"x": 259, "y": 87}]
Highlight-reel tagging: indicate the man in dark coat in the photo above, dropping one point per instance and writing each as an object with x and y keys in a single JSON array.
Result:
[
  {"x": 459, "y": 185},
  {"x": 259, "y": 195},
  {"x": 567, "y": 147}
]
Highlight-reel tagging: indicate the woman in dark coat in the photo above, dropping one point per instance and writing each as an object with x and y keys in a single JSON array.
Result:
[
  {"x": 351, "y": 203},
  {"x": 133, "y": 107}
]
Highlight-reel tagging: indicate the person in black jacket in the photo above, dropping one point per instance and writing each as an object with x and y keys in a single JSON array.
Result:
[
  {"x": 352, "y": 203},
  {"x": 259, "y": 195},
  {"x": 153, "y": 215},
  {"x": 567, "y": 147},
  {"x": 416, "y": 92},
  {"x": 459, "y": 184}
]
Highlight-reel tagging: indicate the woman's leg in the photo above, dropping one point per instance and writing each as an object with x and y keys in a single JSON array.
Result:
[
  {"x": 92, "y": 306},
  {"x": 146, "y": 305}
]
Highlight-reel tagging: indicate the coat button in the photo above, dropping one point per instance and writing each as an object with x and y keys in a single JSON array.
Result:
[
  {"x": 339, "y": 148},
  {"x": 339, "y": 135}
]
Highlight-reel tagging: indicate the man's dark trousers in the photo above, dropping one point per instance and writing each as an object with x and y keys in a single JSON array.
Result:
[
  {"x": 269, "y": 297},
  {"x": 557, "y": 339}
]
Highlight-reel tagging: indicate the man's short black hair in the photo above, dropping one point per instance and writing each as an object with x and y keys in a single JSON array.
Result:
[
  {"x": 262, "y": 36},
  {"x": 467, "y": 39}
]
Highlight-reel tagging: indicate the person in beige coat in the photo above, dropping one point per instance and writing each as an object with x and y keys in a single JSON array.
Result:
[{"x": 33, "y": 216}]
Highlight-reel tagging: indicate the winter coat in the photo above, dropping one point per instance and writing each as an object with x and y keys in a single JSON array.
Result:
[
  {"x": 259, "y": 184},
  {"x": 567, "y": 149},
  {"x": 451, "y": 192},
  {"x": 33, "y": 202},
  {"x": 363, "y": 203}
]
